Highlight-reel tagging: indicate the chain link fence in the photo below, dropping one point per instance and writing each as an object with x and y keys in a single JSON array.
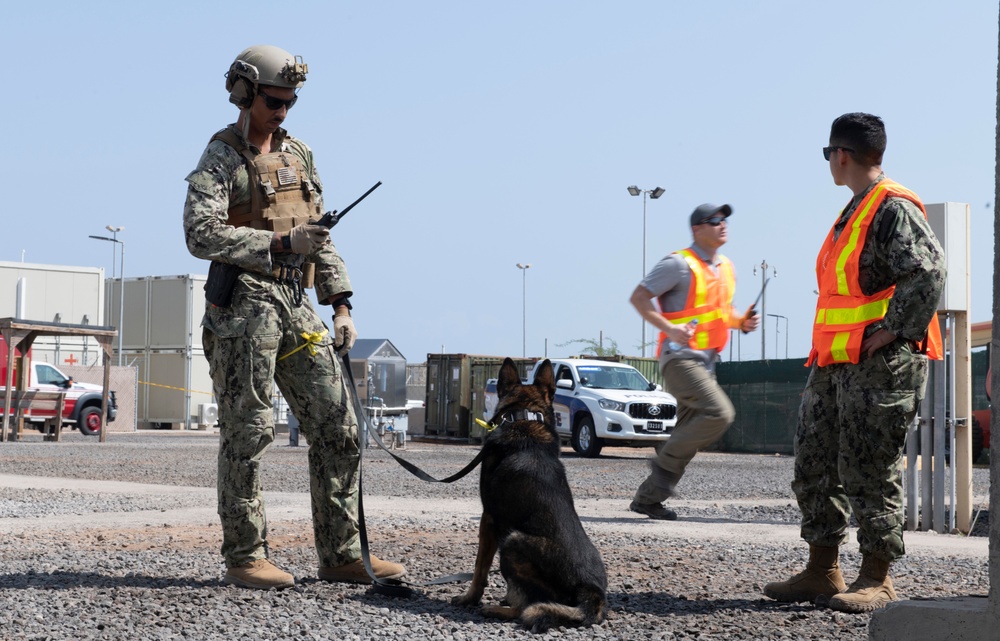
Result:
[{"x": 123, "y": 380}]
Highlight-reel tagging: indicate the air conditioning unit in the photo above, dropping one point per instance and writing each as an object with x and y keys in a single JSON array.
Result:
[{"x": 208, "y": 414}]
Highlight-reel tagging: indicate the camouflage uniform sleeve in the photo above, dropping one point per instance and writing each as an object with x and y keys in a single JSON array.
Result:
[
  {"x": 331, "y": 275},
  {"x": 331, "y": 272},
  {"x": 206, "y": 231},
  {"x": 913, "y": 259}
]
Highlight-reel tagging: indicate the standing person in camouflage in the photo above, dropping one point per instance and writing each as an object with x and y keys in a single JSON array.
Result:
[
  {"x": 248, "y": 208},
  {"x": 880, "y": 274},
  {"x": 694, "y": 289}
]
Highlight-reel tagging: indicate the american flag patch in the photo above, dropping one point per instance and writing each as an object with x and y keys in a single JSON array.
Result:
[{"x": 287, "y": 176}]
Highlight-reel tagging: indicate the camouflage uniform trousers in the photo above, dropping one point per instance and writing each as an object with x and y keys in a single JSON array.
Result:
[
  {"x": 244, "y": 344},
  {"x": 849, "y": 448},
  {"x": 704, "y": 413}
]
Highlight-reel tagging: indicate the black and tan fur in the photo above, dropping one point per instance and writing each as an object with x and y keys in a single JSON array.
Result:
[{"x": 554, "y": 574}]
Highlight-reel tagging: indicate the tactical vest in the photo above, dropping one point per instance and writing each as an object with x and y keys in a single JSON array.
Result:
[
  {"x": 709, "y": 300},
  {"x": 282, "y": 194},
  {"x": 842, "y": 310}
]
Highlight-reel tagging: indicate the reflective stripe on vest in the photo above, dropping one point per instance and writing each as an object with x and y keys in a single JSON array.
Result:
[
  {"x": 842, "y": 310},
  {"x": 709, "y": 300}
]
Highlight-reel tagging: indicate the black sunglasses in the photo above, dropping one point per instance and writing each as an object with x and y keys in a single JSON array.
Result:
[
  {"x": 829, "y": 150},
  {"x": 275, "y": 104},
  {"x": 714, "y": 221}
]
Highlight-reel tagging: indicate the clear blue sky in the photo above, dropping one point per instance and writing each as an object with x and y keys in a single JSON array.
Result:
[{"x": 505, "y": 133}]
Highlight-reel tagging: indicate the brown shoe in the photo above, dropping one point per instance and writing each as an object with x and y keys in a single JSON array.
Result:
[
  {"x": 871, "y": 591},
  {"x": 820, "y": 580},
  {"x": 259, "y": 575},
  {"x": 354, "y": 572}
]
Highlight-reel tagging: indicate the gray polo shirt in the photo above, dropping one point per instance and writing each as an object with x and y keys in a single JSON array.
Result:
[{"x": 669, "y": 281}]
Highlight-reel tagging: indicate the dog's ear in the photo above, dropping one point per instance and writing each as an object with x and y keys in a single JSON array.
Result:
[
  {"x": 509, "y": 378},
  {"x": 545, "y": 378}
]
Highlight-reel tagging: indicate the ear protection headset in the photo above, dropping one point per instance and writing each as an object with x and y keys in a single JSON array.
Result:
[{"x": 241, "y": 83}]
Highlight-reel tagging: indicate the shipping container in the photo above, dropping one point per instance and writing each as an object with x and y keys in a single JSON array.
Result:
[
  {"x": 162, "y": 339},
  {"x": 52, "y": 293},
  {"x": 161, "y": 312}
]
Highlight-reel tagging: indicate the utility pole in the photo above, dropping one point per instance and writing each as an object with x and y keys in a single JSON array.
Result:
[{"x": 763, "y": 301}]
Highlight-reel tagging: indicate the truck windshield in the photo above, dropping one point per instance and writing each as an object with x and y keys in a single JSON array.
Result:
[{"x": 623, "y": 378}]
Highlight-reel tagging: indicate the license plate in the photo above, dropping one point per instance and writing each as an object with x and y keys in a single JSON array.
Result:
[{"x": 654, "y": 426}]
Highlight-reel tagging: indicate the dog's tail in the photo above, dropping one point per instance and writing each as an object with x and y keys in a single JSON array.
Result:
[{"x": 539, "y": 617}]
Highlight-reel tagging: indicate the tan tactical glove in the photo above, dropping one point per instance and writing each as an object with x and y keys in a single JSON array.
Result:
[
  {"x": 344, "y": 333},
  {"x": 306, "y": 238}
]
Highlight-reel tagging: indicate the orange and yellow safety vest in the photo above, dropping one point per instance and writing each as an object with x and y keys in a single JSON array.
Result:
[
  {"x": 709, "y": 301},
  {"x": 842, "y": 310}
]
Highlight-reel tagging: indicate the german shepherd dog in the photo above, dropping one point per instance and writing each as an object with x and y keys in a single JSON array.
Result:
[{"x": 554, "y": 574}]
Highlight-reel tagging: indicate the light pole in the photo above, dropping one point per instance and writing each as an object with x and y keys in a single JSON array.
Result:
[
  {"x": 654, "y": 194},
  {"x": 776, "y": 317},
  {"x": 763, "y": 299},
  {"x": 524, "y": 314},
  {"x": 121, "y": 289}
]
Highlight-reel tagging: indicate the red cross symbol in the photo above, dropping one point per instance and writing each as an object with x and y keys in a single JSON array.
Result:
[{"x": 71, "y": 360}]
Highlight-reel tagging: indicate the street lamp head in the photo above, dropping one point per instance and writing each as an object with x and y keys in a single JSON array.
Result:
[
  {"x": 114, "y": 229},
  {"x": 656, "y": 193},
  {"x": 523, "y": 266},
  {"x": 635, "y": 191}
]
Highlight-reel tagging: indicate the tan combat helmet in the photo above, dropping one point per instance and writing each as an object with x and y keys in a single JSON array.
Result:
[{"x": 263, "y": 65}]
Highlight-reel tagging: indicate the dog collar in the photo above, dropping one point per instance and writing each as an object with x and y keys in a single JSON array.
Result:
[{"x": 512, "y": 417}]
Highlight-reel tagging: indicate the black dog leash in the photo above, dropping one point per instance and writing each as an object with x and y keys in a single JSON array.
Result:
[{"x": 394, "y": 587}]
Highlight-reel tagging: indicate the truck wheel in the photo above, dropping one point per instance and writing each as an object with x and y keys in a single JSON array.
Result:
[
  {"x": 89, "y": 422},
  {"x": 585, "y": 441}
]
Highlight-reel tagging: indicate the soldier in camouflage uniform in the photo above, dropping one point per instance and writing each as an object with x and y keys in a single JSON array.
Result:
[
  {"x": 248, "y": 208},
  {"x": 881, "y": 273}
]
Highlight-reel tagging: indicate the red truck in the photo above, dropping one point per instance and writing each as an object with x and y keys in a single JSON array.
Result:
[{"x": 82, "y": 408}]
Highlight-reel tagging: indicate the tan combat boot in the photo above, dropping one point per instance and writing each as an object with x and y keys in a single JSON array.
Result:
[
  {"x": 821, "y": 577},
  {"x": 259, "y": 575},
  {"x": 354, "y": 572},
  {"x": 871, "y": 591}
]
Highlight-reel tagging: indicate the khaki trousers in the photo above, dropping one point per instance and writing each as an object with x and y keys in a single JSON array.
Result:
[{"x": 704, "y": 413}]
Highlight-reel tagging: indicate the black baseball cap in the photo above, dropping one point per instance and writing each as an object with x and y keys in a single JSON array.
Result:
[{"x": 707, "y": 211}]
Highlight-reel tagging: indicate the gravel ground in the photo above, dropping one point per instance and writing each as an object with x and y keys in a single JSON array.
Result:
[{"x": 135, "y": 555}]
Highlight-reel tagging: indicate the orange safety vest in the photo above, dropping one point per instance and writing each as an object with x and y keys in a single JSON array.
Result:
[
  {"x": 842, "y": 310},
  {"x": 709, "y": 300}
]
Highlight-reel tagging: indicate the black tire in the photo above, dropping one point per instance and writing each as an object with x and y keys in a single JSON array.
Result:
[
  {"x": 585, "y": 441},
  {"x": 89, "y": 422},
  {"x": 977, "y": 439}
]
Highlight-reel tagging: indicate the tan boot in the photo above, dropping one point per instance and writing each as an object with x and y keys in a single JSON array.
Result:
[
  {"x": 821, "y": 577},
  {"x": 871, "y": 591},
  {"x": 354, "y": 572},
  {"x": 259, "y": 575}
]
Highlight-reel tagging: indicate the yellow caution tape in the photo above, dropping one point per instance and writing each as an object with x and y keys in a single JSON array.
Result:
[
  {"x": 179, "y": 389},
  {"x": 312, "y": 340}
]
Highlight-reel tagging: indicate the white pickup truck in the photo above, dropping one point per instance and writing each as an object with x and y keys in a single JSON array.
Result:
[{"x": 599, "y": 402}]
